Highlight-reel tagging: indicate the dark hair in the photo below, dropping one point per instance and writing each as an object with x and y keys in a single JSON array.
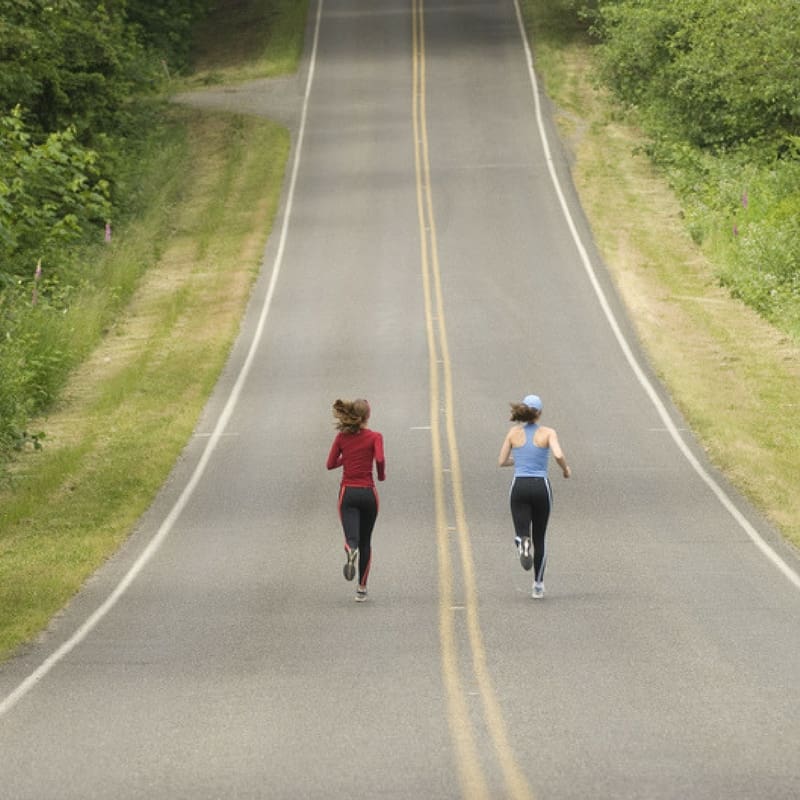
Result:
[
  {"x": 522, "y": 413},
  {"x": 351, "y": 415}
]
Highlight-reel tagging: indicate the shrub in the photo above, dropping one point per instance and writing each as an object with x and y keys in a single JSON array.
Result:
[
  {"x": 50, "y": 194},
  {"x": 716, "y": 73}
]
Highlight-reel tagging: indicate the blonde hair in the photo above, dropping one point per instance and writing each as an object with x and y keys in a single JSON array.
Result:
[
  {"x": 522, "y": 413},
  {"x": 351, "y": 415}
]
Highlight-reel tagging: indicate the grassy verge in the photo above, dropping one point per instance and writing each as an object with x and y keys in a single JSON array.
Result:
[
  {"x": 261, "y": 40},
  {"x": 212, "y": 185},
  {"x": 734, "y": 376},
  {"x": 130, "y": 408}
]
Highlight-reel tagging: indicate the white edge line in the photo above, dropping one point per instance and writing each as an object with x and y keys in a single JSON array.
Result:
[
  {"x": 633, "y": 363},
  {"x": 8, "y": 702}
]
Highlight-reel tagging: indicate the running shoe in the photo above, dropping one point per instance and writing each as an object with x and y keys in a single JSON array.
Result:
[
  {"x": 361, "y": 594},
  {"x": 538, "y": 591},
  {"x": 525, "y": 555},
  {"x": 349, "y": 568}
]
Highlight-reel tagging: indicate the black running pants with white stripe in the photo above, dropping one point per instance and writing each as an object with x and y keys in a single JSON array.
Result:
[
  {"x": 358, "y": 510},
  {"x": 531, "y": 501}
]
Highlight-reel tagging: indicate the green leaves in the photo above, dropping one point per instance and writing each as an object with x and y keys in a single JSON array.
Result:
[
  {"x": 714, "y": 83},
  {"x": 67, "y": 62},
  {"x": 717, "y": 72},
  {"x": 49, "y": 193}
]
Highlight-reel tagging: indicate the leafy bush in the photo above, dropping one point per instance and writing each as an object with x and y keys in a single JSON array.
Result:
[
  {"x": 714, "y": 84},
  {"x": 70, "y": 63},
  {"x": 765, "y": 268},
  {"x": 49, "y": 194},
  {"x": 715, "y": 72},
  {"x": 761, "y": 243}
]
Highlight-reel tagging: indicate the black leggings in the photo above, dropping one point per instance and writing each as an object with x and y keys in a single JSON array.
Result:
[
  {"x": 530, "y": 509},
  {"x": 358, "y": 510}
]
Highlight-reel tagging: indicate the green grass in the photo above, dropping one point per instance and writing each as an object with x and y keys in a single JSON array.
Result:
[
  {"x": 209, "y": 191},
  {"x": 130, "y": 408}
]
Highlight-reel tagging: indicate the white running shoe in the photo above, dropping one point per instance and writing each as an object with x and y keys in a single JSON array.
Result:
[
  {"x": 361, "y": 594},
  {"x": 538, "y": 591},
  {"x": 349, "y": 568},
  {"x": 525, "y": 555}
]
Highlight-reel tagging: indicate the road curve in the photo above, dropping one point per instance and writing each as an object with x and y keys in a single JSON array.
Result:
[{"x": 431, "y": 256}]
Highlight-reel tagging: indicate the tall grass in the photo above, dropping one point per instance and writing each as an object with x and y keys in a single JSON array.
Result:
[
  {"x": 756, "y": 237},
  {"x": 745, "y": 213}
]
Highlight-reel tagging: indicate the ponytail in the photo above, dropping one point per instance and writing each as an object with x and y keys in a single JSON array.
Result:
[
  {"x": 522, "y": 413},
  {"x": 351, "y": 415}
]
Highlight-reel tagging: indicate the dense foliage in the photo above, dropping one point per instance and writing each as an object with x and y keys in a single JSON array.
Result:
[
  {"x": 722, "y": 72},
  {"x": 715, "y": 85},
  {"x": 77, "y": 78}
]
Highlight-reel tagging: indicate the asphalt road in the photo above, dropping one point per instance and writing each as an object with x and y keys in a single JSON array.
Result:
[{"x": 424, "y": 259}]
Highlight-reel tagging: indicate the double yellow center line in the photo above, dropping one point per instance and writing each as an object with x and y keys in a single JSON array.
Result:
[{"x": 470, "y": 764}]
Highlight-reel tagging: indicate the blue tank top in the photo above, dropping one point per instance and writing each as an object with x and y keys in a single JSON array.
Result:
[{"x": 530, "y": 461}]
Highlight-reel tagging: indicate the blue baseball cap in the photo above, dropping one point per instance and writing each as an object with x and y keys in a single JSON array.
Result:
[{"x": 533, "y": 401}]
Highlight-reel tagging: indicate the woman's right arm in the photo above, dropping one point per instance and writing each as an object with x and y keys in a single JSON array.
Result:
[
  {"x": 505, "y": 459},
  {"x": 335, "y": 455},
  {"x": 380, "y": 458}
]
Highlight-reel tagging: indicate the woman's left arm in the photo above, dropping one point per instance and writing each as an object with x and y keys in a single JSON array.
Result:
[{"x": 558, "y": 454}]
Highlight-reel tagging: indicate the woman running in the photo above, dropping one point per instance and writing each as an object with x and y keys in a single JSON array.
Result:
[
  {"x": 354, "y": 449},
  {"x": 530, "y": 496}
]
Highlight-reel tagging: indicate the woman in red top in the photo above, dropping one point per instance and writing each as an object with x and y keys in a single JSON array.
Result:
[{"x": 354, "y": 449}]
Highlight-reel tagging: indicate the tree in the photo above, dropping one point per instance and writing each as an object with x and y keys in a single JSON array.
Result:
[{"x": 69, "y": 62}]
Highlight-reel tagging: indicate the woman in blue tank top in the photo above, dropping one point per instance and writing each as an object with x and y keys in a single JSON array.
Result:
[{"x": 527, "y": 447}]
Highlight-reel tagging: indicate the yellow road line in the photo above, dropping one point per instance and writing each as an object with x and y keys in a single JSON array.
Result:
[
  {"x": 471, "y": 779},
  {"x": 471, "y": 775}
]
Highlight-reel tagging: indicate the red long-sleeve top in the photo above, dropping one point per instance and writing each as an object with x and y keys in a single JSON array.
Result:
[{"x": 355, "y": 452}]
